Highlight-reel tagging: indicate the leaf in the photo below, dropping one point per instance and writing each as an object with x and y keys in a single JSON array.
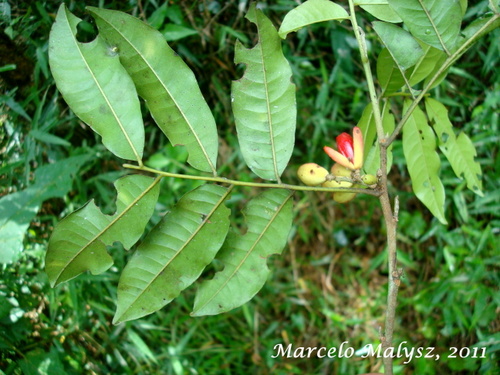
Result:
[
  {"x": 403, "y": 48},
  {"x": 459, "y": 151},
  {"x": 263, "y": 102},
  {"x": 78, "y": 243},
  {"x": 463, "y": 6},
  {"x": 436, "y": 23},
  {"x": 494, "y": 6},
  {"x": 480, "y": 27},
  {"x": 173, "y": 32},
  {"x": 372, "y": 159},
  {"x": 389, "y": 76},
  {"x": 419, "y": 147},
  {"x": 310, "y": 12},
  {"x": 174, "y": 253},
  {"x": 440, "y": 60},
  {"x": 269, "y": 220},
  {"x": 425, "y": 65},
  {"x": 142, "y": 347},
  {"x": 96, "y": 87},
  {"x": 166, "y": 83},
  {"x": 48, "y": 138},
  {"x": 18, "y": 209},
  {"x": 476, "y": 30},
  {"x": 379, "y": 9}
]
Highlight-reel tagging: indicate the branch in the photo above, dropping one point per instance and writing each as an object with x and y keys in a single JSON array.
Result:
[
  {"x": 374, "y": 192},
  {"x": 360, "y": 37},
  {"x": 389, "y": 218}
]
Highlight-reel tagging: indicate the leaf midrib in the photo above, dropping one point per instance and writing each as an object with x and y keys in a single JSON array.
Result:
[
  {"x": 107, "y": 227},
  {"x": 250, "y": 251},
  {"x": 426, "y": 168},
  {"x": 193, "y": 132},
  {"x": 431, "y": 20},
  {"x": 268, "y": 105},
  {"x": 129, "y": 141},
  {"x": 179, "y": 251},
  {"x": 465, "y": 165}
]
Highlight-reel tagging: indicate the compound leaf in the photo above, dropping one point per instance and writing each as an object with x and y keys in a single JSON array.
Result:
[
  {"x": 263, "y": 102},
  {"x": 96, "y": 87},
  {"x": 78, "y": 243},
  {"x": 459, "y": 151},
  {"x": 419, "y": 147},
  {"x": 269, "y": 220},
  {"x": 166, "y": 83},
  {"x": 436, "y": 23},
  {"x": 174, "y": 253},
  {"x": 309, "y": 12}
]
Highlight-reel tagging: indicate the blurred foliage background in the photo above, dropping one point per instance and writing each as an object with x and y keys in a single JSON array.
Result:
[{"x": 330, "y": 284}]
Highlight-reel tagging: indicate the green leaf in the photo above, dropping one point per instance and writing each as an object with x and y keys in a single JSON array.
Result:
[
  {"x": 459, "y": 151},
  {"x": 440, "y": 60},
  {"x": 96, "y": 87},
  {"x": 419, "y": 147},
  {"x": 463, "y": 6},
  {"x": 310, "y": 12},
  {"x": 476, "y": 30},
  {"x": 18, "y": 209},
  {"x": 269, "y": 220},
  {"x": 142, "y": 347},
  {"x": 434, "y": 22},
  {"x": 425, "y": 65},
  {"x": 263, "y": 102},
  {"x": 379, "y": 9},
  {"x": 166, "y": 83},
  {"x": 173, "y": 32},
  {"x": 494, "y": 5},
  {"x": 389, "y": 76},
  {"x": 372, "y": 158},
  {"x": 403, "y": 48},
  {"x": 78, "y": 243},
  {"x": 174, "y": 253},
  {"x": 48, "y": 138},
  {"x": 480, "y": 27}
]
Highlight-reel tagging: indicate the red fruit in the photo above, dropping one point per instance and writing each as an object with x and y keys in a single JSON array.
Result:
[{"x": 345, "y": 145}]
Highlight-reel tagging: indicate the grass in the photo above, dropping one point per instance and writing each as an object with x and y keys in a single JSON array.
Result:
[{"x": 330, "y": 284}]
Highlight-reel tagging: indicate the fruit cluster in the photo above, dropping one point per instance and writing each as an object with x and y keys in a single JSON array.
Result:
[{"x": 346, "y": 170}]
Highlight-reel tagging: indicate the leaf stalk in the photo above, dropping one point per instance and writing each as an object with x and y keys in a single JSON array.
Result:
[{"x": 374, "y": 192}]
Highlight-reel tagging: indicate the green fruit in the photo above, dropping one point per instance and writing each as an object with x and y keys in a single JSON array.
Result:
[
  {"x": 312, "y": 174},
  {"x": 343, "y": 197},
  {"x": 340, "y": 171},
  {"x": 369, "y": 179}
]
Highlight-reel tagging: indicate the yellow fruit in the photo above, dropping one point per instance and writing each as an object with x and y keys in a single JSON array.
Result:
[
  {"x": 340, "y": 171},
  {"x": 312, "y": 174},
  {"x": 343, "y": 197},
  {"x": 333, "y": 184},
  {"x": 369, "y": 179},
  {"x": 358, "y": 145}
]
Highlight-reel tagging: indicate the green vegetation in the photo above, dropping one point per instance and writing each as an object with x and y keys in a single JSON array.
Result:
[{"x": 328, "y": 286}]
